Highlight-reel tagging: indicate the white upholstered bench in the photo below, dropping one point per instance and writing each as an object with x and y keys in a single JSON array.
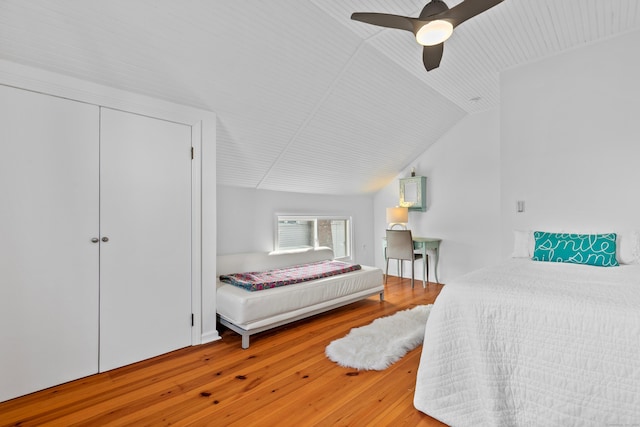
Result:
[{"x": 249, "y": 313}]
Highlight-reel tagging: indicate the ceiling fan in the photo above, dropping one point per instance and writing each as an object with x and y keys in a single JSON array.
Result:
[{"x": 434, "y": 25}]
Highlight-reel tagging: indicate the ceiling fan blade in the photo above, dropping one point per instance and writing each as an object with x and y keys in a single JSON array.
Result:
[
  {"x": 431, "y": 56},
  {"x": 467, "y": 9},
  {"x": 385, "y": 20}
]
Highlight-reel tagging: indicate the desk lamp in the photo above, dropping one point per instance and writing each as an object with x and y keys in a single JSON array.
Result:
[{"x": 397, "y": 216}]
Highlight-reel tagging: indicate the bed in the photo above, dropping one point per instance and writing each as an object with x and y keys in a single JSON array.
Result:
[
  {"x": 249, "y": 313},
  {"x": 529, "y": 343}
]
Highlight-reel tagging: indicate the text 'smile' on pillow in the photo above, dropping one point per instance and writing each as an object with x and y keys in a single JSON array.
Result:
[{"x": 590, "y": 249}]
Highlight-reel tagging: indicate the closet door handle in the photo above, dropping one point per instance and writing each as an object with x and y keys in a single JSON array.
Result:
[
  {"x": 105, "y": 239},
  {"x": 95, "y": 240}
]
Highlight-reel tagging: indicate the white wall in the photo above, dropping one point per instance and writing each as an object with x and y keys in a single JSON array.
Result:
[
  {"x": 463, "y": 198},
  {"x": 246, "y": 218},
  {"x": 566, "y": 140},
  {"x": 570, "y": 128}
]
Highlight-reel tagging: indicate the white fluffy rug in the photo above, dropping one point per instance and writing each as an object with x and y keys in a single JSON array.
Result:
[{"x": 382, "y": 342}]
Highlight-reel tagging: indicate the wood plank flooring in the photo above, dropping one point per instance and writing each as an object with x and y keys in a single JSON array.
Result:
[{"x": 282, "y": 379}]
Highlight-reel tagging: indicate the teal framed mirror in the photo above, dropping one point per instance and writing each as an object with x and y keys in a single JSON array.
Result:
[{"x": 413, "y": 193}]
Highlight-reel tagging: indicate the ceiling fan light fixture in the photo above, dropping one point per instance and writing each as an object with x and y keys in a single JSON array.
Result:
[{"x": 434, "y": 32}]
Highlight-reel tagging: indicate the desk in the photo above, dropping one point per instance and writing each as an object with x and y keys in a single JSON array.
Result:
[{"x": 422, "y": 244}]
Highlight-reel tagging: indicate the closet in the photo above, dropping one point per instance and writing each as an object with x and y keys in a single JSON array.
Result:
[{"x": 95, "y": 241}]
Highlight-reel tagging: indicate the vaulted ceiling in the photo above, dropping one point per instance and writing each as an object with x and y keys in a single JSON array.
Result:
[{"x": 307, "y": 100}]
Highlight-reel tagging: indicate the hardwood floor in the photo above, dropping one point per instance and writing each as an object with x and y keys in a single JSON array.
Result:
[{"x": 283, "y": 379}]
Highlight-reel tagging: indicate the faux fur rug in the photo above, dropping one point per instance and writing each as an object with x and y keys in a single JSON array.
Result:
[{"x": 381, "y": 343}]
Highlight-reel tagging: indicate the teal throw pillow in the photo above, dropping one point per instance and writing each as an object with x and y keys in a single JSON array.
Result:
[{"x": 591, "y": 249}]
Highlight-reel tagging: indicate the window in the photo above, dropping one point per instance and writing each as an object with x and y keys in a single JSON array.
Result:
[{"x": 298, "y": 232}]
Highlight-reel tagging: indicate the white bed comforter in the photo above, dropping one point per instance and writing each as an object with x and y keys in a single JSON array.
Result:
[{"x": 530, "y": 343}]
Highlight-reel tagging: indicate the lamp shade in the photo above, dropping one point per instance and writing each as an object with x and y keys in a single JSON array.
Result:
[
  {"x": 397, "y": 215},
  {"x": 433, "y": 33}
]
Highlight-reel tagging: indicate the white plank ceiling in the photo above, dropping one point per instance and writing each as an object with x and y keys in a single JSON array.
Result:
[{"x": 307, "y": 100}]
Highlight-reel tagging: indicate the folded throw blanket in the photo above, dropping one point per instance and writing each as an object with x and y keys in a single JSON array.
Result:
[{"x": 259, "y": 280}]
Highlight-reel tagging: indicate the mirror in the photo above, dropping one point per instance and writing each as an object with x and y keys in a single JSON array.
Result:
[
  {"x": 410, "y": 192},
  {"x": 413, "y": 193}
]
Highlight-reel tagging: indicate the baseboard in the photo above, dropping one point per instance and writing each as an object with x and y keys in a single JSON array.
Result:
[{"x": 209, "y": 337}]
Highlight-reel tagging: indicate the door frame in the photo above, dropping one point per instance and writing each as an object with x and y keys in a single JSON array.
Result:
[{"x": 203, "y": 172}]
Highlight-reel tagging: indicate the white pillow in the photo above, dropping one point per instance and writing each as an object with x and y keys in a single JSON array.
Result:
[
  {"x": 628, "y": 247},
  {"x": 523, "y": 243}
]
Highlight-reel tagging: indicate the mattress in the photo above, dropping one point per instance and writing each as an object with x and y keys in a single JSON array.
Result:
[
  {"x": 534, "y": 343},
  {"x": 251, "y": 310}
]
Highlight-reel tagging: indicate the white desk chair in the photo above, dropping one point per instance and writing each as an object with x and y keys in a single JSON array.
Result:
[{"x": 400, "y": 247}]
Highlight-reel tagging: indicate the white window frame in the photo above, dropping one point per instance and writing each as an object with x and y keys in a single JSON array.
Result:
[{"x": 315, "y": 219}]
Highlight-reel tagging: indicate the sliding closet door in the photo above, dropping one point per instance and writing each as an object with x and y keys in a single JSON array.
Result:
[
  {"x": 48, "y": 263},
  {"x": 145, "y": 227}
]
